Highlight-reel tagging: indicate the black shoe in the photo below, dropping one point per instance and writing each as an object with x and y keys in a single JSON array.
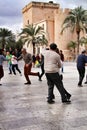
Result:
[
  {"x": 0, "y": 84},
  {"x": 68, "y": 96},
  {"x": 80, "y": 85},
  {"x": 85, "y": 82},
  {"x": 66, "y": 101},
  {"x": 52, "y": 97},
  {"x": 40, "y": 79},
  {"x": 50, "y": 101},
  {"x": 27, "y": 83},
  {"x": 39, "y": 76}
]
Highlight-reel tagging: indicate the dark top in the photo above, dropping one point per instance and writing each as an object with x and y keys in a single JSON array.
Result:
[
  {"x": 81, "y": 60},
  {"x": 62, "y": 56},
  {"x": 42, "y": 60},
  {"x": 33, "y": 58}
]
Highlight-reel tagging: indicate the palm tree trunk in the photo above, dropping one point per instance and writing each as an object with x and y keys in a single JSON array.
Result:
[
  {"x": 33, "y": 47},
  {"x": 78, "y": 36},
  {"x": 3, "y": 43},
  {"x": 74, "y": 53}
]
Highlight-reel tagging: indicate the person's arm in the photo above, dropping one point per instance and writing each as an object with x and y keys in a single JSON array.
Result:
[
  {"x": 85, "y": 60},
  {"x": 30, "y": 58},
  {"x": 19, "y": 58},
  {"x": 59, "y": 62},
  {"x": 4, "y": 58}
]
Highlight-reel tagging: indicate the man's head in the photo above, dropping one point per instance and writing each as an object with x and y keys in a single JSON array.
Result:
[
  {"x": 23, "y": 50},
  {"x": 53, "y": 46},
  {"x": 84, "y": 52},
  {"x": 8, "y": 53}
]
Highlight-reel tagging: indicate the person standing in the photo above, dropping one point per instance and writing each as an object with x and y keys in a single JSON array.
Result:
[
  {"x": 15, "y": 64},
  {"x": 52, "y": 64},
  {"x": 62, "y": 59},
  {"x": 81, "y": 62},
  {"x": 2, "y": 58},
  {"x": 8, "y": 57},
  {"x": 28, "y": 65},
  {"x": 42, "y": 66}
]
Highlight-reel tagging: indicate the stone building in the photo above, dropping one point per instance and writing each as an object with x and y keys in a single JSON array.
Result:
[{"x": 50, "y": 16}]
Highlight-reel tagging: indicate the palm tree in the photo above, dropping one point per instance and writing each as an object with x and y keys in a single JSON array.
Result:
[
  {"x": 19, "y": 44},
  {"x": 32, "y": 34},
  {"x": 42, "y": 40},
  {"x": 76, "y": 21},
  {"x": 6, "y": 36},
  {"x": 83, "y": 41},
  {"x": 72, "y": 45}
]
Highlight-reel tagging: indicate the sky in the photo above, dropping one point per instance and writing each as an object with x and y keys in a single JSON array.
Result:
[{"x": 11, "y": 11}]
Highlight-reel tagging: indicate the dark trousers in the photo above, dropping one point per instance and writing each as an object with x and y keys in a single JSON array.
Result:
[
  {"x": 42, "y": 69},
  {"x": 15, "y": 67},
  {"x": 81, "y": 72},
  {"x": 54, "y": 79},
  {"x": 1, "y": 71},
  {"x": 27, "y": 72}
]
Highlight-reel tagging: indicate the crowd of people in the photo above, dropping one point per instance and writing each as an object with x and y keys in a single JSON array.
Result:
[{"x": 51, "y": 63}]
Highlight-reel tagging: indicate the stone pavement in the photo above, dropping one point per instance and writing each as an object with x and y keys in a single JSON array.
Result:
[{"x": 24, "y": 107}]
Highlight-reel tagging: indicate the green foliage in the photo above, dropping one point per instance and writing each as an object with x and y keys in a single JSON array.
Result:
[
  {"x": 72, "y": 44},
  {"x": 6, "y": 37},
  {"x": 19, "y": 44},
  {"x": 83, "y": 41},
  {"x": 76, "y": 21},
  {"x": 34, "y": 35}
]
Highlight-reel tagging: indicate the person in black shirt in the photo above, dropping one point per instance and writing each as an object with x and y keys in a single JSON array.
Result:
[{"x": 81, "y": 62}]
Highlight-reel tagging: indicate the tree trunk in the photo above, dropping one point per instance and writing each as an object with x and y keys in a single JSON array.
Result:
[
  {"x": 3, "y": 43},
  {"x": 78, "y": 36},
  {"x": 33, "y": 47}
]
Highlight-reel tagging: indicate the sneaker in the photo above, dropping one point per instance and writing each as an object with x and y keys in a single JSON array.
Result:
[
  {"x": 27, "y": 83},
  {"x": 85, "y": 82},
  {"x": 10, "y": 73}
]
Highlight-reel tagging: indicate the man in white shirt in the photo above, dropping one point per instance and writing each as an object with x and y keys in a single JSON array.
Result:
[{"x": 52, "y": 64}]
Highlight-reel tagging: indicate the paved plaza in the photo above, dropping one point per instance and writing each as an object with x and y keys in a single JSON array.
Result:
[{"x": 25, "y": 107}]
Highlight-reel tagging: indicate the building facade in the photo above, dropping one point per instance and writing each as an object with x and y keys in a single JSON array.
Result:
[{"x": 50, "y": 16}]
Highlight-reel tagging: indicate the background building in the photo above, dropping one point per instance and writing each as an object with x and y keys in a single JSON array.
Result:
[{"x": 50, "y": 16}]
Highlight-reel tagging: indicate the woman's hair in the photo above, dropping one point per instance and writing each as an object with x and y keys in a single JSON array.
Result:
[{"x": 57, "y": 50}]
